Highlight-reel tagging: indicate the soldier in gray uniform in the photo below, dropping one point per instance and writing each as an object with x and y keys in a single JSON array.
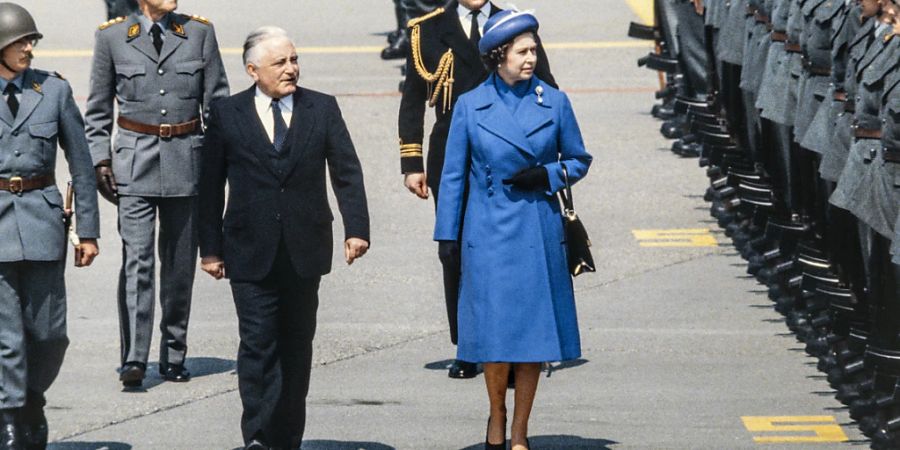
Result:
[
  {"x": 163, "y": 70},
  {"x": 37, "y": 113}
]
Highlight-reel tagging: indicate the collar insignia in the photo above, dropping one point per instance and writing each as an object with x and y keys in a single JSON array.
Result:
[
  {"x": 178, "y": 28},
  {"x": 134, "y": 31},
  {"x": 37, "y": 87}
]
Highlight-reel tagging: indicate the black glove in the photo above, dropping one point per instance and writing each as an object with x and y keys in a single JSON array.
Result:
[
  {"x": 106, "y": 182},
  {"x": 530, "y": 179},
  {"x": 448, "y": 252}
]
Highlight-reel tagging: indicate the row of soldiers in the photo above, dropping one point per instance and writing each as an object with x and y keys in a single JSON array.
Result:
[{"x": 793, "y": 107}]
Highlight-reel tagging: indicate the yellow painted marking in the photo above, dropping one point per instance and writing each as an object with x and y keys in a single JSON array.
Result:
[
  {"x": 643, "y": 9},
  {"x": 344, "y": 50},
  {"x": 689, "y": 237},
  {"x": 824, "y": 429}
]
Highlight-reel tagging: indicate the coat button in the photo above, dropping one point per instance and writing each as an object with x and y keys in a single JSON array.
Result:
[
  {"x": 163, "y": 112},
  {"x": 490, "y": 179},
  {"x": 873, "y": 153},
  {"x": 18, "y": 153},
  {"x": 278, "y": 217},
  {"x": 161, "y": 72},
  {"x": 162, "y": 92}
]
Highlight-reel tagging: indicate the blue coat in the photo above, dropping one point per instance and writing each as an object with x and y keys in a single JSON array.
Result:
[{"x": 516, "y": 300}]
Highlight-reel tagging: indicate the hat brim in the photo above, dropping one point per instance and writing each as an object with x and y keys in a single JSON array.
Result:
[{"x": 506, "y": 31}]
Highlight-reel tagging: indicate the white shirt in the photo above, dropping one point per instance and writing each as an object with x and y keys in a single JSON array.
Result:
[
  {"x": 264, "y": 110},
  {"x": 465, "y": 17}
]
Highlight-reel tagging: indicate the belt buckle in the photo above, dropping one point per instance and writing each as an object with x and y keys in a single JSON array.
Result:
[
  {"x": 165, "y": 130},
  {"x": 16, "y": 185}
]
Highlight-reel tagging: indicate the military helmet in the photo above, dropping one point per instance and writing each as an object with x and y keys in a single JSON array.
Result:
[{"x": 16, "y": 23}]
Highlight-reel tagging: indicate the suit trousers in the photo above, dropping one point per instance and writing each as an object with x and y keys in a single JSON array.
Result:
[
  {"x": 177, "y": 246},
  {"x": 277, "y": 324},
  {"x": 452, "y": 271},
  {"x": 33, "y": 331}
]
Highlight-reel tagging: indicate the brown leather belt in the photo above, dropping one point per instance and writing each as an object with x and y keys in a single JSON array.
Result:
[
  {"x": 840, "y": 96},
  {"x": 891, "y": 155},
  {"x": 164, "y": 130},
  {"x": 761, "y": 18},
  {"x": 793, "y": 47},
  {"x": 849, "y": 106},
  {"x": 17, "y": 185},
  {"x": 778, "y": 36},
  {"x": 867, "y": 133}
]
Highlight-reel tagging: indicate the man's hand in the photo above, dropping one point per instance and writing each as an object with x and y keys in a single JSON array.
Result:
[
  {"x": 214, "y": 266},
  {"x": 354, "y": 248},
  {"x": 106, "y": 182},
  {"x": 415, "y": 182},
  {"x": 85, "y": 252},
  {"x": 698, "y": 6}
]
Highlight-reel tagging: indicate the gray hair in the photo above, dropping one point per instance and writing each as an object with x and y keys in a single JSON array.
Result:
[{"x": 257, "y": 37}]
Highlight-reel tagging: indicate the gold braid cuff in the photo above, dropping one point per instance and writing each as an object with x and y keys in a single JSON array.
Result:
[
  {"x": 442, "y": 78},
  {"x": 410, "y": 150}
]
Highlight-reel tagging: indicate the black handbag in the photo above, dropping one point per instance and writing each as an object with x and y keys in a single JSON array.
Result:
[{"x": 577, "y": 240}]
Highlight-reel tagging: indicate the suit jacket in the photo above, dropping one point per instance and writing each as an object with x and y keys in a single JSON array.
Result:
[
  {"x": 174, "y": 86},
  {"x": 272, "y": 203},
  {"x": 439, "y": 34},
  {"x": 31, "y": 223}
]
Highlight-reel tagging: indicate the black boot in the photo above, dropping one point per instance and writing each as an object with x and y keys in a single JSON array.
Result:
[
  {"x": 10, "y": 432},
  {"x": 34, "y": 422},
  {"x": 398, "y": 49}
]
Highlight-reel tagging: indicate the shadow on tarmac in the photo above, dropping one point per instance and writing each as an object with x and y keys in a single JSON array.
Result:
[
  {"x": 559, "y": 442},
  {"x": 199, "y": 367},
  {"x": 89, "y": 446}
]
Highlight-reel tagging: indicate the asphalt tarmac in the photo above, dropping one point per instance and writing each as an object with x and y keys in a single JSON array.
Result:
[{"x": 682, "y": 349}]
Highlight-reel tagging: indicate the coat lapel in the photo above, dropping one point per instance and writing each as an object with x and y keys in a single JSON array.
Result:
[
  {"x": 139, "y": 38},
  {"x": 6, "y": 114},
  {"x": 454, "y": 37},
  {"x": 32, "y": 94},
  {"x": 303, "y": 121},
  {"x": 532, "y": 114},
  {"x": 175, "y": 36},
  {"x": 252, "y": 129},
  {"x": 498, "y": 120}
]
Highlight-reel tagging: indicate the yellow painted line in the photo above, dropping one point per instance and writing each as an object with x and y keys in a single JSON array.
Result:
[
  {"x": 643, "y": 9},
  {"x": 350, "y": 50},
  {"x": 685, "y": 237},
  {"x": 823, "y": 429}
]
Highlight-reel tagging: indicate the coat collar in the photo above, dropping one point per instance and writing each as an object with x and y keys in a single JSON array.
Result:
[
  {"x": 139, "y": 37},
  {"x": 517, "y": 126}
]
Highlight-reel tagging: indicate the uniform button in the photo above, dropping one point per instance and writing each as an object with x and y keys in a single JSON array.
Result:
[
  {"x": 162, "y": 92},
  {"x": 161, "y": 72},
  {"x": 872, "y": 153},
  {"x": 282, "y": 190},
  {"x": 278, "y": 217},
  {"x": 164, "y": 112},
  {"x": 18, "y": 153}
]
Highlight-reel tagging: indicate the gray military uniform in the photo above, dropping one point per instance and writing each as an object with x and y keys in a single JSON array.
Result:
[
  {"x": 154, "y": 175},
  {"x": 33, "y": 249}
]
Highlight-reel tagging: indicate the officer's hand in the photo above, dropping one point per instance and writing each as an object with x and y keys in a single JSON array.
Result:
[
  {"x": 415, "y": 182},
  {"x": 214, "y": 266},
  {"x": 354, "y": 248},
  {"x": 85, "y": 252},
  {"x": 448, "y": 252},
  {"x": 106, "y": 182},
  {"x": 530, "y": 179}
]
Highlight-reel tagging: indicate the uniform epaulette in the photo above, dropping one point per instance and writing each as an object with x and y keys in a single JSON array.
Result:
[
  {"x": 418, "y": 20},
  {"x": 200, "y": 19},
  {"x": 51, "y": 74},
  {"x": 110, "y": 23}
]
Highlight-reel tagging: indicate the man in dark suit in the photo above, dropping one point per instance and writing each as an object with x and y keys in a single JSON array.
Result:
[
  {"x": 446, "y": 34},
  {"x": 271, "y": 144}
]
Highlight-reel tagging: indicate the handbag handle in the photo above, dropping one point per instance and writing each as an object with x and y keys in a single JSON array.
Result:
[{"x": 566, "y": 193}]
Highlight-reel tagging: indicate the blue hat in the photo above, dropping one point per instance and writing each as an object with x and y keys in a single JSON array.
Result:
[{"x": 504, "y": 26}]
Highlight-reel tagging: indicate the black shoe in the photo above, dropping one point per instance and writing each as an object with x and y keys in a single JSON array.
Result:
[
  {"x": 488, "y": 445},
  {"x": 132, "y": 375},
  {"x": 396, "y": 50},
  {"x": 10, "y": 432},
  {"x": 462, "y": 369},
  {"x": 175, "y": 373},
  {"x": 34, "y": 422},
  {"x": 256, "y": 445}
]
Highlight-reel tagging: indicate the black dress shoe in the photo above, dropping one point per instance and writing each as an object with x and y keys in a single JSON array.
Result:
[
  {"x": 256, "y": 445},
  {"x": 175, "y": 373},
  {"x": 132, "y": 375},
  {"x": 10, "y": 432},
  {"x": 462, "y": 369},
  {"x": 487, "y": 444},
  {"x": 34, "y": 422}
]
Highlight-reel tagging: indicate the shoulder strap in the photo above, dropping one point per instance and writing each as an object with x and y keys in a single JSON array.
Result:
[{"x": 566, "y": 193}]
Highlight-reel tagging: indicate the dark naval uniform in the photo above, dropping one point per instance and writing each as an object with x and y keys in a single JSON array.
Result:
[
  {"x": 32, "y": 252},
  {"x": 162, "y": 95},
  {"x": 435, "y": 37}
]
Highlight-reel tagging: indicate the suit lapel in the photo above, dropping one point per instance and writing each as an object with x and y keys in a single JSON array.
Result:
[
  {"x": 139, "y": 38},
  {"x": 454, "y": 37},
  {"x": 32, "y": 94},
  {"x": 251, "y": 128},
  {"x": 303, "y": 121}
]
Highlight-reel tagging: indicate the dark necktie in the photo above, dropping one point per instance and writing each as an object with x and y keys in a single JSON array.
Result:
[
  {"x": 156, "y": 32},
  {"x": 474, "y": 34},
  {"x": 280, "y": 126},
  {"x": 11, "y": 100}
]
